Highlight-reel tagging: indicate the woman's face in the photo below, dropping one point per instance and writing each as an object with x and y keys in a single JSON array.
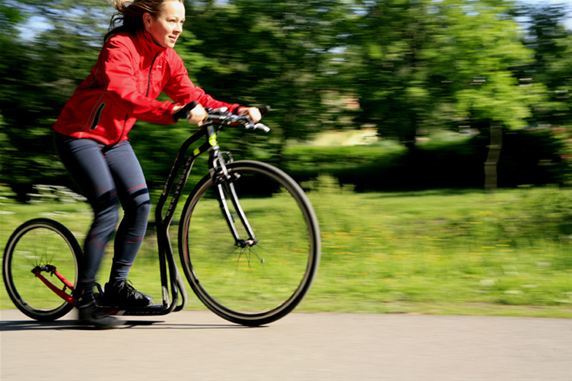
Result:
[{"x": 168, "y": 25}]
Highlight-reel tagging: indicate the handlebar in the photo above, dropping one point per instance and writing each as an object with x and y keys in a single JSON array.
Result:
[{"x": 222, "y": 117}]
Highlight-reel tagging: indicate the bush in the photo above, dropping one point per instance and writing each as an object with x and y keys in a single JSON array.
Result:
[{"x": 529, "y": 157}]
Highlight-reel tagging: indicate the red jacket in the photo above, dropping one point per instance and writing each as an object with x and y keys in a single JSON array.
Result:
[{"x": 129, "y": 75}]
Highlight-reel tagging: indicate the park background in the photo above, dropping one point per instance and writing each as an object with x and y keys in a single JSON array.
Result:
[{"x": 432, "y": 136}]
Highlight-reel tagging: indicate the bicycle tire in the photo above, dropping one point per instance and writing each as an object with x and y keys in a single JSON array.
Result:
[
  {"x": 262, "y": 284},
  {"x": 39, "y": 241}
]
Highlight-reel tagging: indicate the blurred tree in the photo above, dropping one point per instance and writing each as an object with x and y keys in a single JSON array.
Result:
[
  {"x": 427, "y": 63},
  {"x": 478, "y": 55},
  {"x": 413, "y": 65},
  {"x": 391, "y": 81},
  {"x": 552, "y": 45},
  {"x": 269, "y": 52},
  {"x": 37, "y": 75},
  {"x": 9, "y": 19}
]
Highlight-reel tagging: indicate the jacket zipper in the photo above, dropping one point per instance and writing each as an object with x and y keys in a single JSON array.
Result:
[
  {"x": 146, "y": 94},
  {"x": 150, "y": 72}
]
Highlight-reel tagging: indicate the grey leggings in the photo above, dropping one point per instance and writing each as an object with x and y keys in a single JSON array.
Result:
[{"x": 107, "y": 176}]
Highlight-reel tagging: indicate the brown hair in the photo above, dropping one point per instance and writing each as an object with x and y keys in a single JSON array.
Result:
[{"x": 129, "y": 16}]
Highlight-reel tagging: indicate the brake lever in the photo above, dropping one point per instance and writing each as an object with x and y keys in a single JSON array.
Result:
[
  {"x": 263, "y": 127},
  {"x": 257, "y": 126}
]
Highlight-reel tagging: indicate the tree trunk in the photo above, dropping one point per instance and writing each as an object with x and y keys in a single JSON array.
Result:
[{"x": 494, "y": 151}]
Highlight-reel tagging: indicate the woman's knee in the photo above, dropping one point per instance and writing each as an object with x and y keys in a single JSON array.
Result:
[
  {"x": 139, "y": 204},
  {"x": 142, "y": 210},
  {"x": 106, "y": 209}
]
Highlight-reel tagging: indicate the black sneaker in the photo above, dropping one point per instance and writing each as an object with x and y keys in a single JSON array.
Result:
[
  {"x": 122, "y": 294},
  {"x": 92, "y": 315},
  {"x": 89, "y": 313}
]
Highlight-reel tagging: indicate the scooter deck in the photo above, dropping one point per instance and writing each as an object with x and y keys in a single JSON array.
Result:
[{"x": 153, "y": 309}]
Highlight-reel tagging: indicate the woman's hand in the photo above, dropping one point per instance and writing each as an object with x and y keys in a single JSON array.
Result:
[
  {"x": 253, "y": 113},
  {"x": 196, "y": 115}
]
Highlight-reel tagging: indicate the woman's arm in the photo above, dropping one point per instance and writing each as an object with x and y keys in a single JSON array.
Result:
[{"x": 183, "y": 91}]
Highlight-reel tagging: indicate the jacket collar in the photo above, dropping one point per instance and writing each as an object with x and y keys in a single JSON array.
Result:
[{"x": 145, "y": 42}]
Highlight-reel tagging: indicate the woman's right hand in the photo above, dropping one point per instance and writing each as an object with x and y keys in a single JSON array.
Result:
[{"x": 196, "y": 115}]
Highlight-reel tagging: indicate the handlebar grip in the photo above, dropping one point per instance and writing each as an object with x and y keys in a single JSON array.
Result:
[
  {"x": 260, "y": 126},
  {"x": 183, "y": 112}
]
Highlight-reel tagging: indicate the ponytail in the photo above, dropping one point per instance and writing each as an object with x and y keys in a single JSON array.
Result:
[{"x": 120, "y": 5}]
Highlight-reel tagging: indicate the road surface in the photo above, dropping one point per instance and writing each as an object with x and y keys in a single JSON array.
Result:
[{"x": 200, "y": 346}]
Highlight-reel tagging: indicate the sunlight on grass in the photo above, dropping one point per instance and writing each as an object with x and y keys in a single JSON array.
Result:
[{"x": 431, "y": 252}]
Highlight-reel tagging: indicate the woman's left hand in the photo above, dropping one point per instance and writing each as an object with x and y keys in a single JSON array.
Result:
[{"x": 253, "y": 113}]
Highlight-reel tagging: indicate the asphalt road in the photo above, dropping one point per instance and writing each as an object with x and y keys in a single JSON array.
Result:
[{"x": 200, "y": 346}]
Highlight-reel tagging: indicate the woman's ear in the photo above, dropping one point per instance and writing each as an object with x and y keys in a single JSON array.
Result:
[{"x": 147, "y": 19}]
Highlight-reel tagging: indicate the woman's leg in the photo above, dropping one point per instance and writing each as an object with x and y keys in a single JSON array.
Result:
[
  {"x": 87, "y": 165},
  {"x": 134, "y": 196}
]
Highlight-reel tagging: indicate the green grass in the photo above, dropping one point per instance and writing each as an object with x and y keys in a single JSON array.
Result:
[{"x": 504, "y": 253}]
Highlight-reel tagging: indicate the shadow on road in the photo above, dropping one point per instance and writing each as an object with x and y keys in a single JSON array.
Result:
[{"x": 27, "y": 325}]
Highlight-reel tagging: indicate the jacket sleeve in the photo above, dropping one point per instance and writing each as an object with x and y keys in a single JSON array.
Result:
[
  {"x": 181, "y": 89},
  {"x": 119, "y": 79}
]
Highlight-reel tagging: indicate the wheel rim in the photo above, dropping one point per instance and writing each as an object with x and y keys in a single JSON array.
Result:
[{"x": 39, "y": 245}]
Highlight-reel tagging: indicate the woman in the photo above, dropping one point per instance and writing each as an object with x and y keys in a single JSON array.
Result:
[{"x": 137, "y": 63}]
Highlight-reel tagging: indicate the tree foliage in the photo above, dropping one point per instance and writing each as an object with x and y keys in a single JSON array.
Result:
[
  {"x": 445, "y": 63},
  {"x": 270, "y": 52},
  {"x": 404, "y": 66},
  {"x": 552, "y": 66}
]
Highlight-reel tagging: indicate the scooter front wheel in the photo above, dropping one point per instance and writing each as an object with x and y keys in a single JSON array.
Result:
[{"x": 263, "y": 275}]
